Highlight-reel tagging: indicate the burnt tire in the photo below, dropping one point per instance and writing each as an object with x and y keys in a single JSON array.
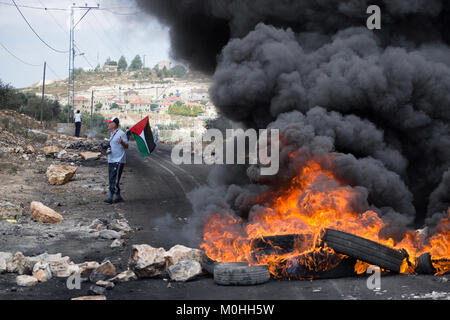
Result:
[
  {"x": 424, "y": 264},
  {"x": 364, "y": 250},
  {"x": 208, "y": 264},
  {"x": 240, "y": 274}
]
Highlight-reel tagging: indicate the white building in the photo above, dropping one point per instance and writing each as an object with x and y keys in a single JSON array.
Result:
[{"x": 164, "y": 64}]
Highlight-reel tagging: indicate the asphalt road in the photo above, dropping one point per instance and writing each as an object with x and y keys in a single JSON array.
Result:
[{"x": 155, "y": 191}]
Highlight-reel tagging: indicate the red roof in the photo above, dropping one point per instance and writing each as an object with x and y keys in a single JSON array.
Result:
[
  {"x": 174, "y": 98},
  {"x": 140, "y": 101},
  {"x": 81, "y": 99}
]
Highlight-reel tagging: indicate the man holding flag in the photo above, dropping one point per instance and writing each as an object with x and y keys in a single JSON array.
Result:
[
  {"x": 143, "y": 135},
  {"x": 118, "y": 142}
]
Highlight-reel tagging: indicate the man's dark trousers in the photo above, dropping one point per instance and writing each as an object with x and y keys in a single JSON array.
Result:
[
  {"x": 115, "y": 173},
  {"x": 77, "y": 129}
]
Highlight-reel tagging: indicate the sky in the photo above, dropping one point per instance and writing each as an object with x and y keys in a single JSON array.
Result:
[{"x": 119, "y": 29}]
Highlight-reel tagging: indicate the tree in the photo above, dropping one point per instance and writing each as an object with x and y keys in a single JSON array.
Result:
[
  {"x": 78, "y": 71},
  {"x": 136, "y": 63},
  {"x": 110, "y": 62},
  {"x": 28, "y": 103},
  {"x": 122, "y": 64},
  {"x": 115, "y": 106},
  {"x": 98, "y": 106},
  {"x": 179, "y": 71},
  {"x": 183, "y": 110}
]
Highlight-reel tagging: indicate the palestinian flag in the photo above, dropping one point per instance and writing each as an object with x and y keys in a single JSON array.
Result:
[{"x": 143, "y": 136}]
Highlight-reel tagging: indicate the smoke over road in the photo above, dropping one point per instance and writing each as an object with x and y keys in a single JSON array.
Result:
[{"x": 377, "y": 101}]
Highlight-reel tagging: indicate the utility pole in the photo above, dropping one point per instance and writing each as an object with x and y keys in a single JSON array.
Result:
[
  {"x": 92, "y": 108},
  {"x": 71, "y": 80},
  {"x": 144, "y": 60},
  {"x": 43, "y": 91}
]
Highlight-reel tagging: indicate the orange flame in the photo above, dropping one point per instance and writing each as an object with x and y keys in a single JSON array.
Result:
[{"x": 305, "y": 208}]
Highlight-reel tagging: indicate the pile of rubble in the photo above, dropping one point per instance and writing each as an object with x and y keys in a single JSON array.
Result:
[
  {"x": 9, "y": 210},
  {"x": 112, "y": 229},
  {"x": 66, "y": 148},
  {"x": 180, "y": 263},
  {"x": 86, "y": 145},
  {"x": 11, "y": 118},
  {"x": 21, "y": 140}
]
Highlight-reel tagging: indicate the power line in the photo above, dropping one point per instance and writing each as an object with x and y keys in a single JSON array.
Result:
[
  {"x": 54, "y": 19},
  {"x": 67, "y": 33},
  {"x": 24, "y": 62},
  {"x": 18, "y": 9},
  {"x": 33, "y": 7},
  {"x": 44, "y": 8}
]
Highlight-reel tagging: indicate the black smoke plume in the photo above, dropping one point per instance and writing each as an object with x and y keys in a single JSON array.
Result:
[{"x": 378, "y": 100}]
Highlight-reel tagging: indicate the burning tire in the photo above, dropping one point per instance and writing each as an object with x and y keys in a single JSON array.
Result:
[
  {"x": 364, "y": 250},
  {"x": 240, "y": 274},
  {"x": 425, "y": 265},
  {"x": 208, "y": 264},
  {"x": 280, "y": 244}
]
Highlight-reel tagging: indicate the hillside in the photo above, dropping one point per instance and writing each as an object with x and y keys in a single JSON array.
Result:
[{"x": 85, "y": 80}]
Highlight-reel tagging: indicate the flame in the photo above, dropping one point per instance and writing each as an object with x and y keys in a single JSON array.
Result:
[{"x": 315, "y": 199}]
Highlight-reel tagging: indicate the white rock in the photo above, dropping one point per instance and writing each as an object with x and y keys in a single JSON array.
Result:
[
  {"x": 90, "y": 155},
  {"x": 116, "y": 243},
  {"x": 103, "y": 272},
  {"x": 62, "y": 154},
  {"x": 63, "y": 268},
  {"x": 42, "y": 271},
  {"x": 180, "y": 253},
  {"x": 59, "y": 175},
  {"x": 185, "y": 270},
  {"x": 120, "y": 225},
  {"x": 106, "y": 268},
  {"x": 87, "y": 267},
  {"x": 2, "y": 266},
  {"x": 51, "y": 150},
  {"x": 110, "y": 234},
  {"x": 125, "y": 276},
  {"x": 4, "y": 258},
  {"x": 19, "y": 264},
  {"x": 146, "y": 261},
  {"x": 26, "y": 281},
  {"x": 44, "y": 214},
  {"x": 89, "y": 298},
  {"x": 105, "y": 284}
]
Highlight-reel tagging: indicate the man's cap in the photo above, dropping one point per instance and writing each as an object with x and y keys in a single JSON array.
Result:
[{"x": 114, "y": 119}]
